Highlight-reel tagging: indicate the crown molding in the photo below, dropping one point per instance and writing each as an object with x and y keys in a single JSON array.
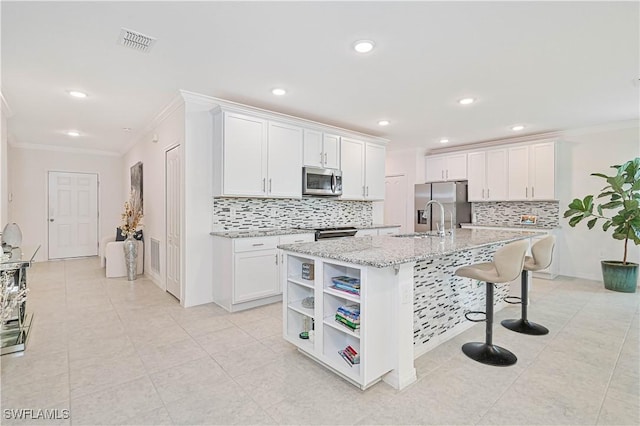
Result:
[
  {"x": 605, "y": 127},
  {"x": 497, "y": 142},
  {"x": 6, "y": 110},
  {"x": 68, "y": 149}
]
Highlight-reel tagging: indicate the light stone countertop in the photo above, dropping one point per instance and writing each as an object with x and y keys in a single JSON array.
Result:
[
  {"x": 384, "y": 251},
  {"x": 254, "y": 233},
  {"x": 510, "y": 226},
  {"x": 374, "y": 226}
]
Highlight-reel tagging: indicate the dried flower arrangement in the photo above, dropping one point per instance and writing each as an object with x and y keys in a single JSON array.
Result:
[
  {"x": 9, "y": 297},
  {"x": 132, "y": 216}
]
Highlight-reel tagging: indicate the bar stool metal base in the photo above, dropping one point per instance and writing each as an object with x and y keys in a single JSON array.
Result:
[
  {"x": 525, "y": 327},
  {"x": 489, "y": 354}
]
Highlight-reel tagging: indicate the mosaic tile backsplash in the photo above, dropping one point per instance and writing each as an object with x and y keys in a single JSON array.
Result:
[
  {"x": 234, "y": 214},
  {"x": 508, "y": 212},
  {"x": 441, "y": 298}
]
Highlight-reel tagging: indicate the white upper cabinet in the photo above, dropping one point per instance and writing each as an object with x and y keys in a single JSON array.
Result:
[
  {"x": 321, "y": 149},
  {"x": 487, "y": 174},
  {"x": 374, "y": 171},
  {"x": 261, "y": 158},
  {"x": 352, "y": 156},
  {"x": 477, "y": 174},
  {"x": 362, "y": 170},
  {"x": 245, "y": 155},
  {"x": 284, "y": 161},
  {"x": 542, "y": 171},
  {"x": 532, "y": 172},
  {"x": 446, "y": 167}
]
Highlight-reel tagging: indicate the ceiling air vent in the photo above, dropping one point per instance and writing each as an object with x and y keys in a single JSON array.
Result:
[{"x": 135, "y": 40}]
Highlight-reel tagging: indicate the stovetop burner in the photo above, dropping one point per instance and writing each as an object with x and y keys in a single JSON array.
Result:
[{"x": 334, "y": 232}]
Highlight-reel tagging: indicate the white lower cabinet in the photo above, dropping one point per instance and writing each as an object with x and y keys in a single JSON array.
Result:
[
  {"x": 377, "y": 231},
  {"x": 247, "y": 271},
  {"x": 369, "y": 340}
]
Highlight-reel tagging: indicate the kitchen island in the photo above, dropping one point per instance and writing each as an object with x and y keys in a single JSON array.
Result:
[{"x": 366, "y": 307}]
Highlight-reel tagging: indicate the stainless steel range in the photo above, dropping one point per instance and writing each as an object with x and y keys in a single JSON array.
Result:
[{"x": 334, "y": 232}]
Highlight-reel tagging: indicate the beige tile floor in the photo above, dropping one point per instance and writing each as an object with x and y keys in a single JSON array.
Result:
[{"x": 117, "y": 352}]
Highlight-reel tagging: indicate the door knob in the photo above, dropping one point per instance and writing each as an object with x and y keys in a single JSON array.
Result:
[{"x": 50, "y": 220}]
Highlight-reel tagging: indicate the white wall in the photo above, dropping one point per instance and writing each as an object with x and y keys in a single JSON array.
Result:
[
  {"x": 170, "y": 132},
  {"x": 582, "y": 152},
  {"x": 4, "y": 173},
  {"x": 28, "y": 171},
  {"x": 410, "y": 163}
]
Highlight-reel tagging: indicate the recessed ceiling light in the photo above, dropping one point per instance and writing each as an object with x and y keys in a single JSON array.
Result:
[
  {"x": 126, "y": 129},
  {"x": 517, "y": 128},
  {"x": 73, "y": 133},
  {"x": 77, "y": 94},
  {"x": 444, "y": 140},
  {"x": 466, "y": 101},
  {"x": 279, "y": 92},
  {"x": 363, "y": 46},
  {"x": 383, "y": 122}
]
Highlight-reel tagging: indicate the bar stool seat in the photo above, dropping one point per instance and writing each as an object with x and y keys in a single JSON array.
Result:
[
  {"x": 541, "y": 257},
  {"x": 507, "y": 264}
]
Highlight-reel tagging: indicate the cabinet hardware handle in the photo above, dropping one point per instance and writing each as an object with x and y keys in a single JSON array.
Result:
[
  {"x": 447, "y": 174},
  {"x": 321, "y": 158},
  {"x": 483, "y": 193},
  {"x": 325, "y": 158},
  {"x": 264, "y": 182},
  {"x": 367, "y": 191},
  {"x": 276, "y": 259},
  {"x": 363, "y": 191},
  {"x": 269, "y": 184},
  {"x": 488, "y": 196},
  {"x": 257, "y": 244},
  {"x": 299, "y": 241},
  {"x": 526, "y": 192},
  {"x": 442, "y": 174},
  {"x": 533, "y": 192}
]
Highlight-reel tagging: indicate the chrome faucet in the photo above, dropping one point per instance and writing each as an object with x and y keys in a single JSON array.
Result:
[{"x": 441, "y": 232}]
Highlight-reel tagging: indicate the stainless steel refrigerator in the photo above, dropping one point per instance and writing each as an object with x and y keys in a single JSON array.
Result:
[{"x": 452, "y": 195}]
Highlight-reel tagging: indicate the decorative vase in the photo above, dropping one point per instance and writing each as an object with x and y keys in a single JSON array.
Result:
[
  {"x": 131, "y": 257},
  {"x": 12, "y": 235},
  {"x": 620, "y": 277}
]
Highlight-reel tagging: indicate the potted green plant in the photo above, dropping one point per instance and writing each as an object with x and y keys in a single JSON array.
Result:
[{"x": 621, "y": 197}]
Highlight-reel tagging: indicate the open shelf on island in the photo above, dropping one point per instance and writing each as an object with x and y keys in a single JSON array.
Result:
[
  {"x": 296, "y": 305},
  {"x": 331, "y": 322},
  {"x": 335, "y": 341},
  {"x": 343, "y": 294},
  {"x": 300, "y": 281}
]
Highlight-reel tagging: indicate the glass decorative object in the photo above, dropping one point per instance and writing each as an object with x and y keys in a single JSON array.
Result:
[
  {"x": 131, "y": 256},
  {"x": 12, "y": 235}
]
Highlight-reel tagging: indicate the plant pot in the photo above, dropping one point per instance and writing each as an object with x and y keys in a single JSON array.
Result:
[
  {"x": 131, "y": 257},
  {"x": 620, "y": 277}
]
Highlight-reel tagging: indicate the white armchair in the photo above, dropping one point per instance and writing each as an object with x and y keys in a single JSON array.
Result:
[{"x": 112, "y": 256}]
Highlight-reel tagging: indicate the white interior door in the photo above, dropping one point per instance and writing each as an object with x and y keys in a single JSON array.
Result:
[
  {"x": 73, "y": 215},
  {"x": 395, "y": 201},
  {"x": 173, "y": 160}
]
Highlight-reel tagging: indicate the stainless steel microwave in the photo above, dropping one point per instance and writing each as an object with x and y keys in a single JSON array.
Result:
[{"x": 317, "y": 181}]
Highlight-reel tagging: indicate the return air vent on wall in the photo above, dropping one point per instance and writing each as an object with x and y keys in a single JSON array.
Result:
[
  {"x": 135, "y": 40},
  {"x": 155, "y": 256}
]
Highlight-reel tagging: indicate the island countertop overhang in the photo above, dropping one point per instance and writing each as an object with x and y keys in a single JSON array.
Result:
[{"x": 385, "y": 251}]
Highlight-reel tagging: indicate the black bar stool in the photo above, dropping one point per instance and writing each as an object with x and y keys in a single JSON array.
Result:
[
  {"x": 506, "y": 266},
  {"x": 542, "y": 255}
]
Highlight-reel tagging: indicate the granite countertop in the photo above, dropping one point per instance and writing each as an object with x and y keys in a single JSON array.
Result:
[
  {"x": 261, "y": 232},
  {"x": 384, "y": 251},
  {"x": 511, "y": 225},
  {"x": 374, "y": 226}
]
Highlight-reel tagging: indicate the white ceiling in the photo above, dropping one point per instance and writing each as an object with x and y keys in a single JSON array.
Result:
[{"x": 547, "y": 65}]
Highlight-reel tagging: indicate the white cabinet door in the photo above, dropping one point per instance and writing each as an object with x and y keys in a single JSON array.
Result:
[
  {"x": 374, "y": 171},
  {"x": 313, "y": 154},
  {"x": 496, "y": 175},
  {"x": 519, "y": 173},
  {"x": 255, "y": 275},
  {"x": 434, "y": 169},
  {"x": 352, "y": 159},
  {"x": 367, "y": 233},
  {"x": 542, "y": 171},
  {"x": 245, "y": 155},
  {"x": 331, "y": 149},
  {"x": 284, "y": 161},
  {"x": 456, "y": 167},
  {"x": 476, "y": 173}
]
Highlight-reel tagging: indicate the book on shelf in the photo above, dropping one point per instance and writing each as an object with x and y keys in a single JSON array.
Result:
[
  {"x": 347, "y": 284},
  {"x": 351, "y": 326},
  {"x": 350, "y": 355}
]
